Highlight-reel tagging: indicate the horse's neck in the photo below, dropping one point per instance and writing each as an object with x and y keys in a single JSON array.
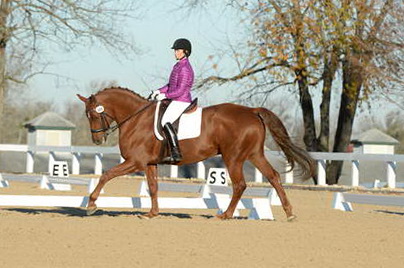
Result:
[
  {"x": 124, "y": 104},
  {"x": 128, "y": 107}
]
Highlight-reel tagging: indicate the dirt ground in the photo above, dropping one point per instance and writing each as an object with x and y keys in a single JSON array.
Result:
[{"x": 371, "y": 236}]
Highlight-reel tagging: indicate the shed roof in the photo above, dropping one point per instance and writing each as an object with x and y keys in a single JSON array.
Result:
[
  {"x": 375, "y": 136},
  {"x": 49, "y": 120}
]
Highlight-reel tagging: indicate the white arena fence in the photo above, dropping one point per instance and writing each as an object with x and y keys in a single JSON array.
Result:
[
  {"x": 49, "y": 182},
  {"x": 343, "y": 201},
  {"x": 355, "y": 159},
  {"x": 209, "y": 196}
]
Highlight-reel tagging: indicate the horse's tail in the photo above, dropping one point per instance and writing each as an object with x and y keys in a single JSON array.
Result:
[{"x": 293, "y": 153}]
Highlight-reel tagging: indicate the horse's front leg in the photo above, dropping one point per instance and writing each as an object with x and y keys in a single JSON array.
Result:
[
  {"x": 151, "y": 175},
  {"x": 118, "y": 170}
]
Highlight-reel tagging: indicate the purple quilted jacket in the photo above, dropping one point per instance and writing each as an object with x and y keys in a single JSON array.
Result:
[{"x": 180, "y": 83}]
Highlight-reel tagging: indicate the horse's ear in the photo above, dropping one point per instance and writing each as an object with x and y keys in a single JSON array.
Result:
[{"x": 83, "y": 99}]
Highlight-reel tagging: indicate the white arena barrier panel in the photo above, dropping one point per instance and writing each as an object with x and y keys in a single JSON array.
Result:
[
  {"x": 3, "y": 183},
  {"x": 65, "y": 185},
  {"x": 46, "y": 184},
  {"x": 342, "y": 201},
  {"x": 50, "y": 182},
  {"x": 205, "y": 189},
  {"x": 222, "y": 194},
  {"x": 259, "y": 208}
]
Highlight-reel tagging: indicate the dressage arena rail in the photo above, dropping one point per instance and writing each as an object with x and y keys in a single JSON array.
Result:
[
  {"x": 210, "y": 196},
  {"x": 49, "y": 182},
  {"x": 321, "y": 158},
  {"x": 342, "y": 201}
]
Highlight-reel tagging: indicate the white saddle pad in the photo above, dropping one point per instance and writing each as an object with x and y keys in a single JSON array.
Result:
[{"x": 189, "y": 126}]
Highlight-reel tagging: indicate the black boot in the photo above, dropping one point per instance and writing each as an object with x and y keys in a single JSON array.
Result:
[{"x": 172, "y": 139}]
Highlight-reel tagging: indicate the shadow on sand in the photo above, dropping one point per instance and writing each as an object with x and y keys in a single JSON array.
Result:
[
  {"x": 80, "y": 212},
  {"x": 391, "y": 212}
]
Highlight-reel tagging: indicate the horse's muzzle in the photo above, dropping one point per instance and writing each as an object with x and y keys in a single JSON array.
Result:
[{"x": 98, "y": 141}]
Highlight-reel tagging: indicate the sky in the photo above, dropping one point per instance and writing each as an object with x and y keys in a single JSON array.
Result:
[{"x": 153, "y": 33}]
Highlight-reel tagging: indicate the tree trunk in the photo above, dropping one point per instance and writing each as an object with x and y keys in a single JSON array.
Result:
[
  {"x": 308, "y": 115},
  {"x": 4, "y": 34},
  {"x": 306, "y": 104},
  {"x": 352, "y": 84},
  {"x": 330, "y": 67},
  {"x": 301, "y": 74}
]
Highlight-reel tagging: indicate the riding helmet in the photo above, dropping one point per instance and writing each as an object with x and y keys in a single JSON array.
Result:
[{"x": 184, "y": 44}]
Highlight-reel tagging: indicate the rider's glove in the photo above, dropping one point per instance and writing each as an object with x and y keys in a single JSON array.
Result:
[{"x": 160, "y": 96}]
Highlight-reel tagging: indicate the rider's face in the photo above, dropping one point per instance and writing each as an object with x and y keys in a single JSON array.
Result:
[{"x": 179, "y": 53}]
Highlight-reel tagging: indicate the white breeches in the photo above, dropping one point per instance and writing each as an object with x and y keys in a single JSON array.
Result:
[{"x": 174, "y": 110}]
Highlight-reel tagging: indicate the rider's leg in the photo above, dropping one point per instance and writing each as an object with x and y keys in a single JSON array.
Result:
[
  {"x": 173, "y": 142},
  {"x": 174, "y": 110}
]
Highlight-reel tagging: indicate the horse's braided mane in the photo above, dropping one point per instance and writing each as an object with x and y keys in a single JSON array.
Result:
[{"x": 123, "y": 89}]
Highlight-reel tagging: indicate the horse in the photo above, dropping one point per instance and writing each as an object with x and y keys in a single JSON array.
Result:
[{"x": 235, "y": 132}]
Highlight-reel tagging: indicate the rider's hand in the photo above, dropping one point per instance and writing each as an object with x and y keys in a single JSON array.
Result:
[
  {"x": 160, "y": 96},
  {"x": 154, "y": 94}
]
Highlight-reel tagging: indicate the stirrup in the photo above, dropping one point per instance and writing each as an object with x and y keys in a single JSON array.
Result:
[{"x": 171, "y": 160}]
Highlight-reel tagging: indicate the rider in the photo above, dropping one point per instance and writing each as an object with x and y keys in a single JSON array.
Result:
[{"x": 178, "y": 90}]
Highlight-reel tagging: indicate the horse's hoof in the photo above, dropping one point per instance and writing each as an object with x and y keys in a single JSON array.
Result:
[
  {"x": 148, "y": 216},
  {"x": 292, "y": 218},
  {"x": 222, "y": 217},
  {"x": 91, "y": 210}
]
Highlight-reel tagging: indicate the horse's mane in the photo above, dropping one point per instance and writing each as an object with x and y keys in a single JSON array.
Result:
[{"x": 123, "y": 89}]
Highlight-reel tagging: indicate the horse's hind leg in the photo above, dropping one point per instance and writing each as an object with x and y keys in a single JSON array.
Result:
[
  {"x": 239, "y": 185},
  {"x": 273, "y": 177}
]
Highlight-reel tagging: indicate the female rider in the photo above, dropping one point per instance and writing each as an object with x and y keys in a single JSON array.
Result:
[{"x": 178, "y": 90}]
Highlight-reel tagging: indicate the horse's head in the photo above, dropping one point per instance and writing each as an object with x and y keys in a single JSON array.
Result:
[{"x": 98, "y": 118}]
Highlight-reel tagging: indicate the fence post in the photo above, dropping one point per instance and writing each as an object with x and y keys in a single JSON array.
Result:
[
  {"x": 98, "y": 164},
  {"x": 391, "y": 174},
  {"x": 258, "y": 175},
  {"x": 321, "y": 165},
  {"x": 76, "y": 163},
  {"x": 355, "y": 173},
  {"x": 173, "y": 171},
  {"x": 288, "y": 174},
  {"x": 30, "y": 162},
  {"x": 201, "y": 171}
]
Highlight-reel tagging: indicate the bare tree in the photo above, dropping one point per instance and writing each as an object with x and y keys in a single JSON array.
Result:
[
  {"x": 27, "y": 27},
  {"x": 16, "y": 115},
  {"x": 308, "y": 45}
]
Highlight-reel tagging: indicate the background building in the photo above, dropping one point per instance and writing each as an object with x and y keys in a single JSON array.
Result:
[
  {"x": 49, "y": 129},
  {"x": 374, "y": 141}
]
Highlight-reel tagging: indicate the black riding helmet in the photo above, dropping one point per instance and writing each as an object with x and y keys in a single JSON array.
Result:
[{"x": 184, "y": 44}]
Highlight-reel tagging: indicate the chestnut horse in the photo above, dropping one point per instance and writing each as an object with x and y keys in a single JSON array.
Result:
[{"x": 234, "y": 131}]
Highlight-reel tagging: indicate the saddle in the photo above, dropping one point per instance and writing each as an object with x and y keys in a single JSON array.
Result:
[
  {"x": 163, "y": 107},
  {"x": 164, "y": 151}
]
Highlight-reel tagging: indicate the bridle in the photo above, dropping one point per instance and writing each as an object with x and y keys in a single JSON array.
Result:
[{"x": 105, "y": 125}]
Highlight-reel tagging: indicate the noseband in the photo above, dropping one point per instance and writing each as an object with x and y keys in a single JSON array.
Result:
[{"x": 105, "y": 125}]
